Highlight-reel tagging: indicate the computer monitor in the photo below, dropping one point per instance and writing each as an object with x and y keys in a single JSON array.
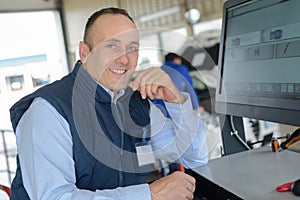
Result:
[{"x": 259, "y": 60}]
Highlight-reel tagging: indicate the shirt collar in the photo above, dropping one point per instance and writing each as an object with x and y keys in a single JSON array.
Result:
[{"x": 112, "y": 95}]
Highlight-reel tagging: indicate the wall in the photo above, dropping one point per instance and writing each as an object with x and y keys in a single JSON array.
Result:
[{"x": 75, "y": 14}]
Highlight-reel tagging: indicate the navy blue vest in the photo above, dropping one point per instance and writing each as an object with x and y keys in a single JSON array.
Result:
[{"x": 123, "y": 125}]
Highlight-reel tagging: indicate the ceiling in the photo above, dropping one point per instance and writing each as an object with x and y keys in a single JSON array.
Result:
[{"x": 147, "y": 13}]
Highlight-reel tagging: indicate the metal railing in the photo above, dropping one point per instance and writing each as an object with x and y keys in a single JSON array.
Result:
[{"x": 7, "y": 154}]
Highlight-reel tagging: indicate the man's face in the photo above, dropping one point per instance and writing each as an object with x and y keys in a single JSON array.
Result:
[{"x": 115, "y": 43}]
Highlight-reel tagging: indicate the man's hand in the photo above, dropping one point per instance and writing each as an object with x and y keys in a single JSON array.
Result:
[
  {"x": 156, "y": 84},
  {"x": 177, "y": 186}
]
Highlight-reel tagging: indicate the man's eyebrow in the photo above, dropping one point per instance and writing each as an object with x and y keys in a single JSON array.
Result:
[
  {"x": 112, "y": 40},
  {"x": 135, "y": 43},
  {"x": 119, "y": 41}
]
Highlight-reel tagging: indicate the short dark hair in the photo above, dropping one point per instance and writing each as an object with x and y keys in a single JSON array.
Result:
[
  {"x": 171, "y": 56},
  {"x": 96, "y": 15}
]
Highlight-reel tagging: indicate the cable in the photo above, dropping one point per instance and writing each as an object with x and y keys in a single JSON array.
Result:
[{"x": 235, "y": 132}]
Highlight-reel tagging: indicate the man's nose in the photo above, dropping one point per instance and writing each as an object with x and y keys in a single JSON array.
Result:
[{"x": 123, "y": 58}]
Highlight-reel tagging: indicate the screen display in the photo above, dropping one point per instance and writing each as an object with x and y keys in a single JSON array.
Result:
[{"x": 260, "y": 54}]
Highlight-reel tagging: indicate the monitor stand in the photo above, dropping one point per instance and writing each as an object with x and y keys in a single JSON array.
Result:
[{"x": 231, "y": 143}]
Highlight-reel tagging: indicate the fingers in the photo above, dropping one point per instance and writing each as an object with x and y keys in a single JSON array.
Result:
[
  {"x": 190, "y": 196},
  {"x": 190, "y": 185},
  {"x": 191, "y": 180},
  {"x": 147, "y": 82},
  {"x": 155, "y": 83},
  {"x": 191, "y": 188},
  {"x": 177, "y": 186},
  {"x": 153, "y": 91},
  {"x": 149, "y": 91}
]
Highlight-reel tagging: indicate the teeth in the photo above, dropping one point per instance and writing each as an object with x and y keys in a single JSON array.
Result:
[{"x": 118, "y": 71}]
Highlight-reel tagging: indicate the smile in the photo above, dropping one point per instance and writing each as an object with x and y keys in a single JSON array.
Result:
[{"x": 118, "y": 71}]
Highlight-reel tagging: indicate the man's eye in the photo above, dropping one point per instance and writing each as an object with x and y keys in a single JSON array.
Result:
[
  {"x": 111, "y": 46},
  {"x": 132, "y": 48}
]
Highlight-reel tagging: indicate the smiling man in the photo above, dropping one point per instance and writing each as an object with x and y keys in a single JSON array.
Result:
[
  {"x": 95, "y": 135},
  {"x": 113, "y": 41}
]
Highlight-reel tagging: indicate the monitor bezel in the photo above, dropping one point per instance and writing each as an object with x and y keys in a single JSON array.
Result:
[{"x": 280, "y": 110}]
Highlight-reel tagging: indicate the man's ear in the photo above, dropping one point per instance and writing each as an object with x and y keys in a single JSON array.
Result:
[{"x": 84, "y": 50}]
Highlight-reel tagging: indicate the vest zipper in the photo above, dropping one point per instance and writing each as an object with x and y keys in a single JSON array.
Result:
[{"x": 121, "y": 184}]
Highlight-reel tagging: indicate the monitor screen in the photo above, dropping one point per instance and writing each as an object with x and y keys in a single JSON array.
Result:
[{"x": 259, "y": 60}]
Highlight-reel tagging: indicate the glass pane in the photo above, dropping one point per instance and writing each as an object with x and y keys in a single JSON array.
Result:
[
  {"x": 149, "y": 54},
  {"x": 32, "y": 54}
]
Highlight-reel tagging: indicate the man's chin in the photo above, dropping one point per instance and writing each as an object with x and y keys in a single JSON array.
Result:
[{"x": 120, "y": 85}]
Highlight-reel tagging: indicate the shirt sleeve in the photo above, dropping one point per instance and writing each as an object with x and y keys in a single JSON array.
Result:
[
  {"x": 180, "y": 139},
  {"x": 45, "y": 151}
]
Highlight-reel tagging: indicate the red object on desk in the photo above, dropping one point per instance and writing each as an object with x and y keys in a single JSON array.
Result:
[{"x": 284, "y": 187}]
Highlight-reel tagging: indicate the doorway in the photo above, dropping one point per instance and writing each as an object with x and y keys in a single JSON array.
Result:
[{"x": 32, "y": 54}]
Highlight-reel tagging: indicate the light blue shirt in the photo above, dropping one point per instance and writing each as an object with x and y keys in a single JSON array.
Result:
[{"x": 44, "y": 144}]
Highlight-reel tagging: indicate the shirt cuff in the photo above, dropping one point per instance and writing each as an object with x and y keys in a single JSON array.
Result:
[
  {"x": 186, "y": 105},
  {"x": 182, "y": 112},
  {"x": 138, "y": 191}
]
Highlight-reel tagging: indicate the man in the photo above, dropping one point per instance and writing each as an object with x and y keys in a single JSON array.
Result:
[{"x": 89, "y": 136}]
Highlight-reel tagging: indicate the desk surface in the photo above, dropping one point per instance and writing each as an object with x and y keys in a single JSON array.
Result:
[{"x": 254, "y": 174}]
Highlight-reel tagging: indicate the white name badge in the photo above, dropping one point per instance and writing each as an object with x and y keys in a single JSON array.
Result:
[{"x": 145, "y": 155}]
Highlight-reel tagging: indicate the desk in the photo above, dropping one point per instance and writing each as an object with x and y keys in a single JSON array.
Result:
[{"x": 252, "y": 175}]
